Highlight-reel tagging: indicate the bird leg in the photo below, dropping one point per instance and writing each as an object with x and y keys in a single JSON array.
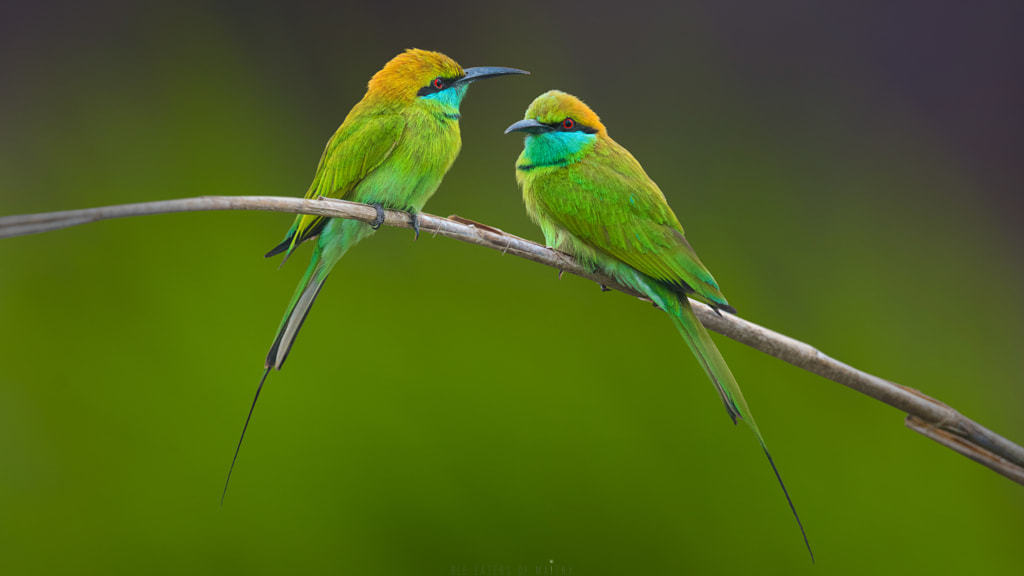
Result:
[
  {"x": 380, "y": 216},
  {"x": 414, "y": 219},
  {"x": 604, "y": 288}
]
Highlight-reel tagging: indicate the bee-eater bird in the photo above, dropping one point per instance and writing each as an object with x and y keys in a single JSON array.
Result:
[
  {"x": 392, "y": 150},
  {"x": 593, "y": 200}
]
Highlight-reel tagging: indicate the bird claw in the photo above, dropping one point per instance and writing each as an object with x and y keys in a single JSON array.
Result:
[
  {"x": 604, "y": 288},
  {"x": 380, "y": 216},
  {"x": 414, "y": 219}
]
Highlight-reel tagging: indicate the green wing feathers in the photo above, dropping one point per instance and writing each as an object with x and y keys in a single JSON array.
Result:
[
  {"x": 607, "y": 201},
  {"x": 360, "y": 145}
]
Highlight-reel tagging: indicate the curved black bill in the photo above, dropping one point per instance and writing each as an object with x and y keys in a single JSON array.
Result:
[
  {"x": 528, "y": 126},
  {"x": 484, "y": 72}
]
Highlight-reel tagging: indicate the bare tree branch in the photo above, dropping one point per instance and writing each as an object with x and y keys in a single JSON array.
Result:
[{"x": 925, "y": 414}]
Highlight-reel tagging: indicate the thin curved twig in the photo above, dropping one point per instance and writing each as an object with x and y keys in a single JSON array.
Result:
[{"x": 926, "y": 415}]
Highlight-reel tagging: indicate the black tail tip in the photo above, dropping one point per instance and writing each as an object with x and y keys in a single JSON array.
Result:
[
  {"x": 282, "y": 247},
  {"x": 725, "y": 308}
]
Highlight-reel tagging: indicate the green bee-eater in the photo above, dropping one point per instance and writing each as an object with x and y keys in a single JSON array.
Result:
[
  {"x": 593, "y": 200},
  {"x": 392, "y": 151}
]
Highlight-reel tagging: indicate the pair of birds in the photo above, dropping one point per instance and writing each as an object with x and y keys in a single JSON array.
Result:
[{"x": 591, "y": 198}]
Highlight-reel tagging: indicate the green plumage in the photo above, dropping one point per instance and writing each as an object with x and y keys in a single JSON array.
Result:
[
  {"x": 592, "y": 199},
  {"x": 391, "y": 156},
  {"x": 392, "y": 151}
]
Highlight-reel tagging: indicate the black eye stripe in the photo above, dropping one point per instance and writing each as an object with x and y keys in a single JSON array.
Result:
[
  {"x": 573, "y": 126},
  {"x": 431, "y": 87}
]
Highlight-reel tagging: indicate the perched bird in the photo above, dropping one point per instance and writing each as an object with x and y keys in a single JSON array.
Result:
[
  {"x": 392, "y": 150},
  {"x": 593, "y": 200}
]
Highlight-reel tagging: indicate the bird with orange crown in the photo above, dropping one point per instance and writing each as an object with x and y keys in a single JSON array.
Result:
[
  {"x": 392, "y": 151},
  {"x": 593, "y": 199}
]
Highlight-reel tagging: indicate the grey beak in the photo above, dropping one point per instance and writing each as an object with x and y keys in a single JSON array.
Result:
[
  {"x": 528, "y": 126},
  {"x": 484, "y": 72}
]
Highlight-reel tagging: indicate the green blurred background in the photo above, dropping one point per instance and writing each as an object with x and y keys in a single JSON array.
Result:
[{"x": 852, "y": 176}]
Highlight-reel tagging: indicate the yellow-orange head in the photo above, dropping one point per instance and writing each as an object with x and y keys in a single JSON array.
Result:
[
  {"x": 427, "y": 75},
  {"x": 406, "y": 74}
]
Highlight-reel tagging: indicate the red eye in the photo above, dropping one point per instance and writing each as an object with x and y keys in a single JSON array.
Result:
[
  {"x": 438, "y": 83},
  {"x": 568, "y": 124}
]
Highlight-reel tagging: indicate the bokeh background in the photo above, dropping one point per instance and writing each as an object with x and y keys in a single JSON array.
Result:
[{"x": 851, "y": 175}]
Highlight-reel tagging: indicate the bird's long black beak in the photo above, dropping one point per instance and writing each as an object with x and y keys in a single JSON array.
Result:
[
  {"x": 484, "y": 72},
  {"x": 529, "y": 126}
]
